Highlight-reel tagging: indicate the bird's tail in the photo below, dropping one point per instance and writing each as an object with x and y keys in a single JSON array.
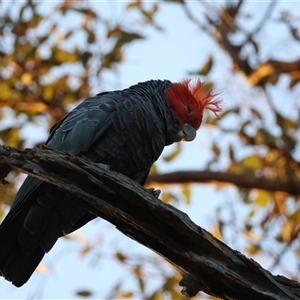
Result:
[
  {"x": 32, "y": 227},
  {"x": 16, "y": 265}
]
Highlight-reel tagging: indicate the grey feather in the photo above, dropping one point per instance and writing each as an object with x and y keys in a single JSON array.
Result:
[{"x": 125, "y": 130}]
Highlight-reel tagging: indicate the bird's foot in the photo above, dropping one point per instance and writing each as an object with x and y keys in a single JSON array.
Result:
[{"x": 154, "y": 192}]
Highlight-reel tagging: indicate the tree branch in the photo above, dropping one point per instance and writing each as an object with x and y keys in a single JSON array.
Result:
[
  {"x": 241, "y": 180},
  {"x": 205, "y": 263}
]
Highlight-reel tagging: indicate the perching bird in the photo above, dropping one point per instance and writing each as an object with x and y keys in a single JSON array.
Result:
[{"x": 124, "y": 130}]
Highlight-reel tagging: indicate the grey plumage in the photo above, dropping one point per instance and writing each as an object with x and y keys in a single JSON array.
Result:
[{"x": 126, "y": 130}]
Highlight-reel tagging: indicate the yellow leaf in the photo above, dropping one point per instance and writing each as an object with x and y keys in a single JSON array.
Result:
[
  {"x": 168, "y": 197},
  {"x": 80, "y": 237},
  {"x": 63, "y": 56},
  {"x": 113, "y": 32},
  {"x": 26, "y": 78},
  {"x": 253, "y": 249},
  {"x": 126, "y": 294},
  {"x": 1, "y": 214},
  {"x": 287, "y": 231},
  {"x": 216, "y": 149},
  {"x": 133, "y": 4},
  {"x": 5, "y": 90},
  {"x": 153, "y": 169},
  {"x": 251, "y": 236},
  {"x": 42, "y": 269},
  {"x": 296, "y": 216},
  {"x": 248, "y": 164},
  {"x": 186, "y": 191},
  {"x": 69, "y": 98},
  {"x": 260, "y": 73},
  {"x": 11, "y": 137},
  {"x": 139, "y": 274},
  {"x": 31, "y": 107},
  {"x": 48, "y": 93},
  {"x": 263, "y": 198},
  {"x": 216, "y": 232},
  {"x": 157, "y": 295},
  {"x": 85, "y": 250}
]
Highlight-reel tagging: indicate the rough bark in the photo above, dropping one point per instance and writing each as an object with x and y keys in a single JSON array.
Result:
[
  {"x": 240, "y": 180},
  {"x": 205, "y": 263}
]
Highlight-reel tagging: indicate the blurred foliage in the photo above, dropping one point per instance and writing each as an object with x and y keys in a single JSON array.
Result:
[
  {"x": 44, "y": 70},
  {"x": 46, "y": 66},
  {"x": 259, "y": 134}
]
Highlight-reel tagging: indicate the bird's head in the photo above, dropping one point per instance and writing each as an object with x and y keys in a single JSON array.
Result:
[{"x": 188, "y": 101}]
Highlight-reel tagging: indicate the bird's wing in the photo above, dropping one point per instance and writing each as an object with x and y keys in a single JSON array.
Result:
[
  {"x": 85, "y": 124},
  {"x": 75, "y": 134}
]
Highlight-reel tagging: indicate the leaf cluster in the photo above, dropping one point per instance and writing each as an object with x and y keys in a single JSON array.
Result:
[
  {"x": 44, "y": 70},
  {"x": 259, "y": 133}
]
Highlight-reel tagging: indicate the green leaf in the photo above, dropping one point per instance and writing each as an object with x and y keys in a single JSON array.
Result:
[
  {"x": 248, "y": 227},
  {"x": 84, "y": 293},
  {"x": 216, "y": 150},
  {"x": 128, "y": 37},
  {"x": 206, "y": 68},
  {"x": 91, "y": 36},
  {"x": 251, "y": 163},
  {"x": 112, "y": 57},
  {"x": 231, "y": 153},
  {"x": 256, "y": 113},
  {"x": 247, "y": 165},
  {"x": 263, "y": 137},
  {"x": 173, "y": 154},
  {"x": 294, "y": 82},
  {"x": 86, "y": 11},
  {"x": 148, "y": 15},
  {"x": 235, "y": 111},
  {"x": 176, "y": 1}
]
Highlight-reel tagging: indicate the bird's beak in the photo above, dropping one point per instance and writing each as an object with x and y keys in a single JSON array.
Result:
[{"x": 189, "y": 132}]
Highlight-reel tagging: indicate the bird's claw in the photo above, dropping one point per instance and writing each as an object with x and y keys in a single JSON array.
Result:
[{"x": 154, "y": 192}]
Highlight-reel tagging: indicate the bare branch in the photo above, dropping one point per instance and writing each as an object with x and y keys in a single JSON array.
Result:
[
  {"x": 205, "y": 263},
  {"x": 241, "y": 180},
  {"x": 263, "y": 20}
]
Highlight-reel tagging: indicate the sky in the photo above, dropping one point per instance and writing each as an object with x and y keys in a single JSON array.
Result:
[
  {"x": 162, "y": 55},
  {"x": 170, "y": 54}
]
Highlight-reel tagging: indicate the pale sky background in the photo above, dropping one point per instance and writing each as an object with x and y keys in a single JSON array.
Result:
[{"x": 170, "y": 54}]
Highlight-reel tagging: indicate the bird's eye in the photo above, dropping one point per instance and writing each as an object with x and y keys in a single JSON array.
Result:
[{"x": 188, "y": 111}]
